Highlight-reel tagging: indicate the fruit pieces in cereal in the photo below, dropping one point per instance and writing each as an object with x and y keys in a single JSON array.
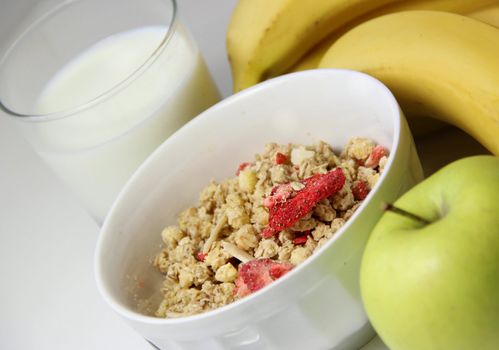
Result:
[
  {"x": 241, "y": 167},
  {"x": 287, "y": 206},
  {"x": 280, "y": 158},
  {"x": 301, "y": 240},
  {"x": 360, "y": 190},
  {"x": 257, "y": 273},
  {"x": 377, "y": 153}
]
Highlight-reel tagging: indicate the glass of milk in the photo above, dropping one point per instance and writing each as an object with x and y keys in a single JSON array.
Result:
[{"x": 96, "y": 85}]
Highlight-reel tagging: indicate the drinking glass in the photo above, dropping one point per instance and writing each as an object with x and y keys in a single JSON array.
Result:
[{"x": 96, "y": 85}]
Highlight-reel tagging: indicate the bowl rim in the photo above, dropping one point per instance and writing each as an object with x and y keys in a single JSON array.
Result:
[{"x": 138, "y": 317}]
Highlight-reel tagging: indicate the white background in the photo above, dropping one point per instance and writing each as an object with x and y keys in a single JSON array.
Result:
[{"x": 48, "y": 297}]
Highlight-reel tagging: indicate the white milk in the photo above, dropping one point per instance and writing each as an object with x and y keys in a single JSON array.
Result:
[{"x": 97, "y": 149}]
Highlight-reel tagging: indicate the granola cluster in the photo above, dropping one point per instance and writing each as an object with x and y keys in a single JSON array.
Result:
[{"x": 248, "y": 230}]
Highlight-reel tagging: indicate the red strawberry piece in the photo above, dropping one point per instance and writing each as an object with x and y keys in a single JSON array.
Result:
[
  {"x": 280, "y": 158},
  {"x": 201, "y": 256},
  {"x": 241, "y": 167},
  {"x": 377, "y": 153},
  {"x": 300, "y": 240},
  {"x": 360, "y": 190},
  {"x": 280, "y": 269},
  {"x": 256, "y": 274},
  {"x": 269, "y": 232},
  {"x": 241, "y": 289},
  {"x": 287, "y": 210}
]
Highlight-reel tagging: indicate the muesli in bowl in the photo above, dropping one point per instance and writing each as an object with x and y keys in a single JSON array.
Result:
[
  {"x": 248, "y": 230},
  {"x": 317, "y": 304}
]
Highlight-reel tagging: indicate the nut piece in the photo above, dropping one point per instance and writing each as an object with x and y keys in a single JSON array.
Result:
[
  {"x": 185, "y": 278},
  {"x": 226, "y": 273},
  {"x": 247, "y": 180},
  {"x": 236, "y": 252},
  {"x": 298, "y": 155},
  {"x": 214, "y": 233}
]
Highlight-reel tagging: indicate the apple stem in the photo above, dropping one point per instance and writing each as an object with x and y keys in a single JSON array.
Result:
[{"x": 397, "y": 210}]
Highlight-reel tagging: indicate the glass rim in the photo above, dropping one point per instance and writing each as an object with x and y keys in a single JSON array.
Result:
[{"x": 120, "y": 85}]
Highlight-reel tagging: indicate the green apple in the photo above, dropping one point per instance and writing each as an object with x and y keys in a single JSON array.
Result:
[{"x": 435, "y": 286}]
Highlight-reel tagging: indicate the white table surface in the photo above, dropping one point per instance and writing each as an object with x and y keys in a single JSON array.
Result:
[{"x": 48, "y": 297}]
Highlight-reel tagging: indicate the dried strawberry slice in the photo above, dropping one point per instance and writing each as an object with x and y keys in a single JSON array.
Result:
[
  {"x": 376, "y": 154},
  {"x": 286, "y": 210},
  {"x": 280, "y": 158},
  {"x": 241, "y": 289},
  {"x": 201, "y": 256},
  {"x": 300, "y": 240},
  {"x": 256, "y": 274},
  {"x": 280, "y": 269},
  {"x": 360, "y": 190}
]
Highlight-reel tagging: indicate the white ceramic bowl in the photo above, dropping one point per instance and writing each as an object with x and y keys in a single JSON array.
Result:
[{"x": 315, "y": 306}]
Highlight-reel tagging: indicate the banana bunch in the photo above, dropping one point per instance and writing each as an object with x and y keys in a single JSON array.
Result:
[
  {"x": 440, "y": 58},
  {"x": 267, "y": 38},
  {"x": 436, "y": 64},
  {"x": 484, "y": 11}
]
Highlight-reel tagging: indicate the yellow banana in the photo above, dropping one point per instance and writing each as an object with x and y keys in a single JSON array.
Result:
[
  {"x": 473, "y": 8},
  {"x": 314, "y": 56},
  {"x": 438, "y": 64},
  {"x": 266, "y": 37},
  {"x": 488, "y": 15}
]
